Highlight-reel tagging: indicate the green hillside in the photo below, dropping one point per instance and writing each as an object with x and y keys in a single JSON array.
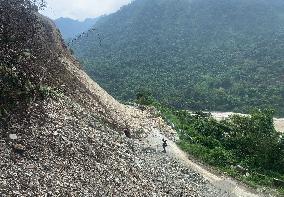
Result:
[{"x": 225, "y": 55}]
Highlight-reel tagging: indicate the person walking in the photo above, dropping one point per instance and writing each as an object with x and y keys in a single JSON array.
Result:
[{"x": 164, "y": 145}]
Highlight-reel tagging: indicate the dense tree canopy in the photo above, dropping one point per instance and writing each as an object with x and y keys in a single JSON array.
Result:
[{"x": 200, "y": 54}]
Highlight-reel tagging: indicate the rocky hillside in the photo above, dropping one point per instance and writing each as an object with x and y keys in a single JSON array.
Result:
[{"x": 62, "y": 135}]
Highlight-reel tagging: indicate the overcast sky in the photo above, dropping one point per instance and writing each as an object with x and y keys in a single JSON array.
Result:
[{"x": 81, "y": 9}]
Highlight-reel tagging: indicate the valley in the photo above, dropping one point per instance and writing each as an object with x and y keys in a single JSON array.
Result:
[
  {"x": 107, "y": 114},
  {"x": 199, "y": 55}
]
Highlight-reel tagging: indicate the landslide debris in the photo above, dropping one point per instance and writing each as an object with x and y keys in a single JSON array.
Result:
[{"x": 65, "y": 138}]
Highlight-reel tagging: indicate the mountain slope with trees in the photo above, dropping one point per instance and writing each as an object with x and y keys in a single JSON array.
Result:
[
  {"x": 224, "y": 55},
  {"x": 62, "y": 135}
]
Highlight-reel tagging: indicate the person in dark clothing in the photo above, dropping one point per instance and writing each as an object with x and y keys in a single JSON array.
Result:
[
  {"x": 164, "y": 145},
  {"x": 127, "y": 132}
]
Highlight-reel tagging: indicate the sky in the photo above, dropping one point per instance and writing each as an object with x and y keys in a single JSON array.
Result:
[{"x": 82, "y": 9}]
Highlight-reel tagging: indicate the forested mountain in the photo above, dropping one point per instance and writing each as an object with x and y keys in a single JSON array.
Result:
[
  {"x": 199, "y": 54},
  {"x": 70, "y": 28},
  {"x": 61, "y": 134}
]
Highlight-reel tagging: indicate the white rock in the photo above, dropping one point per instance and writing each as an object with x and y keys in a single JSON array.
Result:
[{"x": 13, "y": 136}]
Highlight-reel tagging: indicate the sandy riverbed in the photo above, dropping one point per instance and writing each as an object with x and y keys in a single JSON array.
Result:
[{"x": 278, "y": 122}]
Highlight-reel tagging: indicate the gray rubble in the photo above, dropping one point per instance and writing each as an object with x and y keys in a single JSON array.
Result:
[{"x": 71, "y": 152}]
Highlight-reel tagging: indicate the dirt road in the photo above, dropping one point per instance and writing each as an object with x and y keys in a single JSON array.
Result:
[{"x": 154, "y": 141}]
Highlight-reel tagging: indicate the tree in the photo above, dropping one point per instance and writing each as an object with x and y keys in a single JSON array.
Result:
[{"x": 20, "y": 54}]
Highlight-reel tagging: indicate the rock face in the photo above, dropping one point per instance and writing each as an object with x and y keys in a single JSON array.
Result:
[{"x": 73, "y": 144}]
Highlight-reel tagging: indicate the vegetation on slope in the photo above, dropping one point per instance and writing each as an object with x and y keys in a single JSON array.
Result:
[
  {"x": 22, "y": 56},
  {"x": 224, "y": 55},
  {"x": 245, "y": 147}
]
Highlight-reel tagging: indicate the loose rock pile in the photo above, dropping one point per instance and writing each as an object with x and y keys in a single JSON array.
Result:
[{"x": 71, "y": 152}]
